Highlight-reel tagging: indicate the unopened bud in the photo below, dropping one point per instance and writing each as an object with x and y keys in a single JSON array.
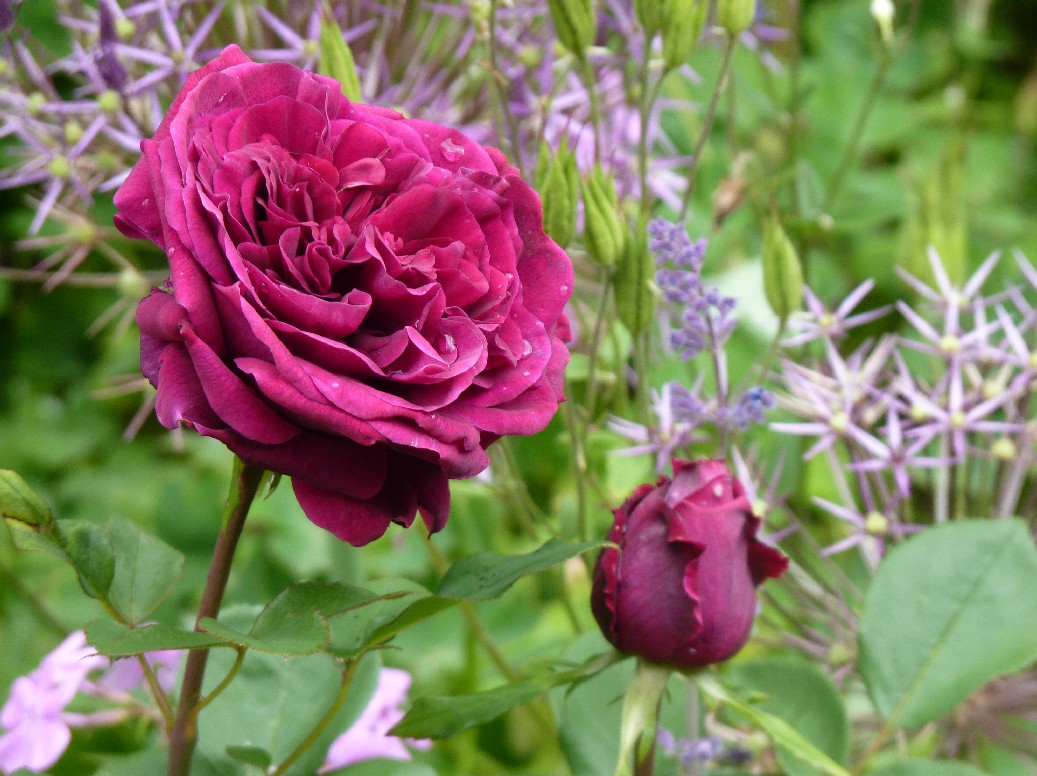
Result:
[
  {"x": 653, "y": 15},
  {"x": 35, "y": 103},
  {"x": 839, "y": 654},
  {"x": 73, "y": 131},
  {"x": 782, "y": 275},
  {"x": 883, "y": 12},
  {"x": 682, "y": 32},
  {"x": 132, "y": 285},
  {"x": 1003, "y": 449},
  {"x": 558, "y": 184},
  {"x": 125, "y": 28},
  {"x": 736, "y": 16},
  {"x": 59, "y": 166},
  {"x": 109, "y": 101},
  {"x": 604, "y": 232},
  {"x": 876, "y": 523},
  {"x": 575, "y": 24},
  {"x": 635, "y": 302}
]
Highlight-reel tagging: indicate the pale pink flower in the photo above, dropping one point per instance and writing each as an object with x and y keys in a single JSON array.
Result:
[{"x": 368, "y": 738}]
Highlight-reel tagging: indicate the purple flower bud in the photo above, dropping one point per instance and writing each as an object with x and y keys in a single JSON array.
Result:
[
  {"x": 108, "y": 65},
  {"x": 680, "y": 588},
  {"x": 6, "y": 16}
]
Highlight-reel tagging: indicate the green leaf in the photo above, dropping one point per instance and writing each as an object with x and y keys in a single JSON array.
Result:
[
  {"x": 946, "y": 612},
  {"x": 114, "y": 640},
  {"x": 89, "y": 549},
  {"x": 336, "y": 59},
  {"x": 443, "y": 716},
  {"x": 488, "y": 574},
  {"x": 32, "y": 539},
  {"x": 296, "y": 621},
  {"x": 251, "y": 755},
  {"x": 780, "y": 731},
  {"x": 287, "y": 633},
  {"x": 801, "y": 694},
  {"x": 589, "y": 711},
  {"x": 20, "y": 502},
  {"x": 274, "y": 704},
  {"x": 146, "y": 568},
  {"x": 352, "y": 632},
  {"x": 147, "y": 761},
  {"x": 917, "y": 767},
  {"x": 416, "y": 612}
]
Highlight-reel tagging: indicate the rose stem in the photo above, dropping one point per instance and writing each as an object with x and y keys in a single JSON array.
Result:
[{"x": 184, "y": 735}]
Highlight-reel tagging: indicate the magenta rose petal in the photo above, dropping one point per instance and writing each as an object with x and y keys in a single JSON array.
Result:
[
  {"x": 183, "y": 400},
  {"x": 354, "y": 521},
  {"x": 360, "y": 301},
  {"x": 233, "y": 401}
]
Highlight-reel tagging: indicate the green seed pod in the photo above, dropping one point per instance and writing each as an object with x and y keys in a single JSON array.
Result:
[
  {"x": 574, "y": 23},
  {"x": 735, "y": 16},
  {"x": 681, "y": 35},
  {"x": 782, "y": 275},
  {"x": 603, "y": 229},
  {"x": 558, "y": 185},
  {"x": 635, "y": 302},
  {"x": 653, "y": 15}
]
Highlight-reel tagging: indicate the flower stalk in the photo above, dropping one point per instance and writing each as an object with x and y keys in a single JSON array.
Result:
[{"x": 184, "y": 736}]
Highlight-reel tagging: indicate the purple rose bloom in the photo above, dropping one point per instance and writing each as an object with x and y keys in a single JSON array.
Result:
[
  {"x": 680, "y": 590},
  {"x": 360, "y": 301}
]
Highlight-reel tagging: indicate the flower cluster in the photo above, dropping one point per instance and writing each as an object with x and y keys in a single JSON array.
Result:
[
  {"x": 704, "y": 323},
  {"x": 37, "y": 725},
  {"x": 902, "y": 418}
]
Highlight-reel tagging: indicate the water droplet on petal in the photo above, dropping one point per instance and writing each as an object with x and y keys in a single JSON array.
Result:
[
  {"x": 525, "y": 373},
  {"x": 451, "y": 150},
  {"x": 564, "y": 289},
  {"x": 527, "y": 347}
]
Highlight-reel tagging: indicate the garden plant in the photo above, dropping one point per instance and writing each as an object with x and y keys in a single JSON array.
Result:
[{"x": 592, "y": 387}]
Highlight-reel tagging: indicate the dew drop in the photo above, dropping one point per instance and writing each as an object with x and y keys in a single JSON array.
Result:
[
  {"x": 144, "y": 202},
  {"x": 527, "y": 347},
  {"x": 451, "y": 150},
  {"x": 564, "y": 289},
  {"x": 718, "y": 490},
  {"x": 525, "y": 373},
  {"x": 450, "y": 343},
  {"x": 335, "y": 385}
]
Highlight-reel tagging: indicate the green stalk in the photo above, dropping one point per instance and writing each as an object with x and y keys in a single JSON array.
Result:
[
  {"x": 857, "y": 134},
  {"x": 707, "y": 125},
  {"x": 184, "y": 736},
  {"x": 322, "y": 724}
]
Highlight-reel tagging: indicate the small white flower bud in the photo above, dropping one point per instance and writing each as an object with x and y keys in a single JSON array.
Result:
[{"x": 883, "y": 12}]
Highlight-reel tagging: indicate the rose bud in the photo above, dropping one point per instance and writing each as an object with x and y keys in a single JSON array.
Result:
[{"x": 680, "y": 588}]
